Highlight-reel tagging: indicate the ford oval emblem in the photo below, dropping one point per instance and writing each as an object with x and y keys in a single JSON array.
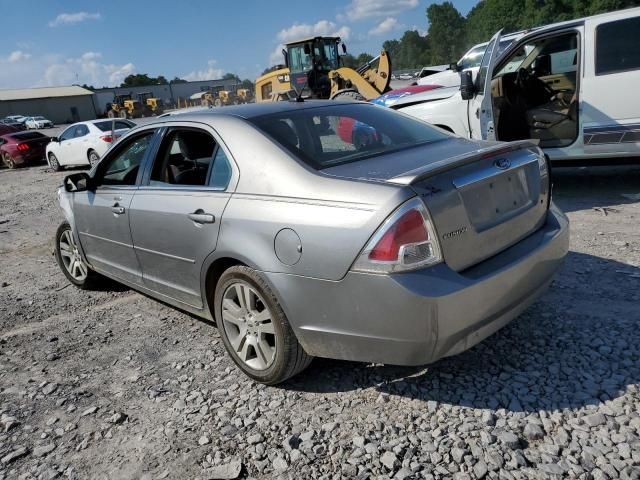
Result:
[{"x": 502, "y": 163}]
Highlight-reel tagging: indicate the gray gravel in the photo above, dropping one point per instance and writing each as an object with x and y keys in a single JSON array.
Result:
[{"x": 111, "y": 384}]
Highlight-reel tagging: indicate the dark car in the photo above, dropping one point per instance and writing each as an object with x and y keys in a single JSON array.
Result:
[
  {"x": 9, "y": 122},
  {"x": 19, "y": 148}
]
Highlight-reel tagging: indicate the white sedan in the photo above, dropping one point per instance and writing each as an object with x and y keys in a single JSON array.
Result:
[
  {"x": 84, "y": 143},
  {"x": 37, "y": 122}
]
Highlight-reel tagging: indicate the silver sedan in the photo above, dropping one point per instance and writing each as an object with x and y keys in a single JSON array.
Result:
[{"x": 339, "y": 230}]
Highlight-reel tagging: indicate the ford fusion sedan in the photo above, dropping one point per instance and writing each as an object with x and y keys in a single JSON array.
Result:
[
  {"x": 84, "y": 143},
  {"x": 299, "y": 242}
]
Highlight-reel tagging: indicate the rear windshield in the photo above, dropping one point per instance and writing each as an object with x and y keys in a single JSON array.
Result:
[
  {"x": 27, "y": 135},
  {"x": 327, "y": 136},
  {"x": 106, "y": 125}
]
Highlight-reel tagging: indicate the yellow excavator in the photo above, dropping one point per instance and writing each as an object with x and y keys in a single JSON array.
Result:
[
  {"x": 150, "y": 104},
  {"x": 124, "y": 107},
  {"x": 313, "y": 70}
]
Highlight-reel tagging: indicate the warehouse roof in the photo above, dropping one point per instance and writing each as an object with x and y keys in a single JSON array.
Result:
[{"x": 45, "y": 92}]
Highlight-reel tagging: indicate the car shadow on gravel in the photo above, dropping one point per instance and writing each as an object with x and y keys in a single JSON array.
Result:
[
  {"x": 579, "y": 188},
  {"x": 573, "y": 348}
]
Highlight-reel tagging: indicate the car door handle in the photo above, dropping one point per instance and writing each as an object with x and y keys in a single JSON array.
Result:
[
  {"x": 199, "y": 216},
  {"x": 117, "y": 209}
]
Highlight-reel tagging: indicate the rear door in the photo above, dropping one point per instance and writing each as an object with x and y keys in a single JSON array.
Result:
[
  {"x": 176, "y": 214},
  {"x": 480, "y": 110},
  {"x": 610, "y": 106},
  {"x": 102, "y": 216}
]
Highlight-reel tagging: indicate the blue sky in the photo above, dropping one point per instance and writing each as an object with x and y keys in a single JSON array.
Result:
[{"x": 99, "y": 43}]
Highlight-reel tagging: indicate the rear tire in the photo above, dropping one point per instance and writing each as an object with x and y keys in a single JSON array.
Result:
[
  {"x": 69, "y": 259},
  {"x": 93, "y": 157},
  {"x": 254, "y": 328},
  {"x": 54, "y": 163},
  {"x": 8, "y": 161}
]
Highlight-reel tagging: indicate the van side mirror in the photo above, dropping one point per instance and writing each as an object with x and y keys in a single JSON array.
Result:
[
  {"x": 78, "y": 182},
  {"x": 467, "y": 88},
  {"x": 455, "y": 67}
]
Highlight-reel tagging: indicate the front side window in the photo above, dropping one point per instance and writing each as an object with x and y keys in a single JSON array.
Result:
[
  {"x": 122, "y": 168},
  {"x": 617, "y": 46},
  {"x": 327, "y": 136},
  {"x": 184, "y": 158},
  {"x": 473, "y": 58},
  {"x": 484, "y": 65},
  {"x": 298, "y": 60},
  {"x": 68, "y": 133}
]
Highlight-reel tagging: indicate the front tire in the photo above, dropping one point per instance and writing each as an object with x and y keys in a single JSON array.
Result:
[
  {"x": 352, "y": 95},
  {"x": 54, "y": 163},
  {"x": 254, "y": 328},
  {"x": 70, "y": 260}
]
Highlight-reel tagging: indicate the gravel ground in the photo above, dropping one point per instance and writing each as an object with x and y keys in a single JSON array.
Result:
[{"x": 111, "y": 384}]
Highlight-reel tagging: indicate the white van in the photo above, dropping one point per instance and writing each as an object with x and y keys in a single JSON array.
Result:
[{"x": 570, "y": 85}]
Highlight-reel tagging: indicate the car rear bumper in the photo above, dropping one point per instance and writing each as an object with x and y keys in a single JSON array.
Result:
[{"x": 418, "y": 317}]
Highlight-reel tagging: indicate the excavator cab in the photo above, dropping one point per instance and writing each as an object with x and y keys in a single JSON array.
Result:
[{"x": 310, "y": 61}]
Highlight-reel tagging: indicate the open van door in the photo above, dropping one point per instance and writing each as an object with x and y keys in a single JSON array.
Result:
[{"x": 480, "y": 106}]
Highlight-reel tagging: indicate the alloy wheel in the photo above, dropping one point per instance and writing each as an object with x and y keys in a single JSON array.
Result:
[
  {"x": 71, "y": 258},
  {"x": 8, "y": 161},
  {"x": 93, "y": 158},
  {"x": 53, "y": 161},
  {"x": 248, "y": 324}
]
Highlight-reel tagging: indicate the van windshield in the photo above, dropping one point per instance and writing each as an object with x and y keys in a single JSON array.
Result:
[{"x": 327, "y": 136}]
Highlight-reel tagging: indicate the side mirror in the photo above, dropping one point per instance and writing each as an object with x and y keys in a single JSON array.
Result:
[
  {"x": 54, "y": 139},
  {"x": 467, "y": 88},
  {"x": 307, "y": 49},
  {"x": 78, "y": 182},
  {"x": 455, "y": 67},
  {"x": 344, "y": 49}
]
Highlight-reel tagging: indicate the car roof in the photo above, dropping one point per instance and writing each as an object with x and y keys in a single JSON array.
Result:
[{"x": 252, "y": 110}]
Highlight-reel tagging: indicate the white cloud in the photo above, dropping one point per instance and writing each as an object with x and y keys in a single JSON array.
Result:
[
  {"x": 87, "y": 69},
  {"x": 276, "y": 57},
  {"x": 55, "y": 69},
  {"x": 18, "y": 56},
  {"x": 71, "y": 18},
  {"x": 385, "y": 26},
  {"x": 323, "y": 27},
  {"x": 211, "y": 73},
  {"x": 422, "y": 31},
  {"x": 359, "y": 9}
]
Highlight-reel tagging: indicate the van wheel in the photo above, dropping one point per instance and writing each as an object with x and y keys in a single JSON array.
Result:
[
  {"x": 254, "y": 328},
  {"x": 53, "y": 163},
  {"x": 69, "y": 259}
]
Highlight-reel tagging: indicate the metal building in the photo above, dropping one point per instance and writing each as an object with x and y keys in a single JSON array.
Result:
[{"x": 59, "y": 104}]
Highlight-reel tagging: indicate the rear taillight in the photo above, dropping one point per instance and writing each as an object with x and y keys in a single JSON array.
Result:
[
  {"x": 22, "y": 147},
  {"x": 405, "y": 241},
  {"x": 107, "y": 138}
]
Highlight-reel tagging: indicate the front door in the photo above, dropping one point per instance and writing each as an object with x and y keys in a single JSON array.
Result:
[
  {"x": 102, "y": 216},
  {"x": 176, "y": 214},
  {"x": 480, "y": 109}
]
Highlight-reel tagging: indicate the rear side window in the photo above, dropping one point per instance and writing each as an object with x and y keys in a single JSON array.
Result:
[
  {"x": 183, "y": 159},
  {"x": 617, "y": 46},
  {"x": 119, "y": 124}
]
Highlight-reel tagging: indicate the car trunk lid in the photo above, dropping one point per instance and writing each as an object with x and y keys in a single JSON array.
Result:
[{"x": 481, "y": 200}]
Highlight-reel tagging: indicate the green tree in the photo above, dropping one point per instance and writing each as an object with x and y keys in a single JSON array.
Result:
[
  {"x": 447, "y": 35},
  {"x": 178, "y": 80}
]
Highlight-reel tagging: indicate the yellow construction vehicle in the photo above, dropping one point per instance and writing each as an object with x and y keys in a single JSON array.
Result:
[
  {"x": 216, "y": 97},
  {"x": 150, "y": 104},
  {"x": 313, "y": 70},
  {"x": 243, "y": 95},
  {"x": 124, "y": 107}
]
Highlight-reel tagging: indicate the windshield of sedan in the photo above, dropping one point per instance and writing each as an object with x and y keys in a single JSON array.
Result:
[{"x": 327, "y": 136}]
